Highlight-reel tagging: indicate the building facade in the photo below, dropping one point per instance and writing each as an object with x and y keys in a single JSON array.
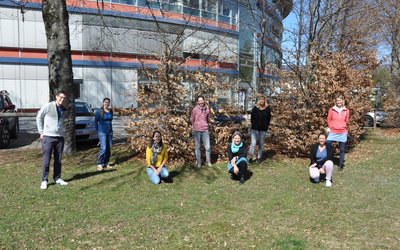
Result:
[{"x": 111, "y": 41}]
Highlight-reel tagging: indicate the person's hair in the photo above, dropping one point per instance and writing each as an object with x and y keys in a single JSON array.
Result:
[
  {"x": 322, "y": 133},
  {"x": 152, "y": 140},
  {"x": 339, "y": 96},
  {"x": 199, "y": 96},
  {"x": 60, "y": 92}
]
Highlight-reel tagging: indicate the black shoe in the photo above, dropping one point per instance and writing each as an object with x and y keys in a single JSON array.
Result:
[
  {"x": 259, "y": 161},
  {"x": 341, "y": 167},
  {"x": 251, "y": 160},
  {"x": 241, "y": 180}
]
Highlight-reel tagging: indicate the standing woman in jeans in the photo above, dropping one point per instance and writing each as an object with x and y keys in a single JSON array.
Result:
[
  {"x": 338, "y": 118},
  {"x": 200, "y": 118},
  {"x": 260, "y": 119},
  {"x": 103, "y": 122}
]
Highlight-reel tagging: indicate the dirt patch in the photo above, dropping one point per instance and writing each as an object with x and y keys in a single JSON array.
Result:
[
  {"x": 8, "y": 156},
  {"x": 392, "y": 132}
]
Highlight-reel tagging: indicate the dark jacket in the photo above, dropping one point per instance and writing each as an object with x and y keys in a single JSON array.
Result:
[
  {"x": 313, "y": 153},
  {"x": 241, "y": 153},
  {"x": 260, "y": 119}
]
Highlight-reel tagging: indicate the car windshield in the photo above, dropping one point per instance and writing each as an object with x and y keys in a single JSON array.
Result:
[{"x": 82, "y": 108}]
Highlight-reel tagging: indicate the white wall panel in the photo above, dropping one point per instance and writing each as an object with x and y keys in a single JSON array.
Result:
[
  {"x": 27, "y": 33},
  {"x": 104, "y": 75},
  {"x": 11, "y": 71},
  {"x": 29, "y": 72},
  {"x": 40, "y": 35},
  {"x": 78, "y": 72},
  {"x": 75, "y": 30},
  {"x": 8, "y": 32},
  {"x": 124, "y": 88},
  {"x": 90, "y": 74},
  {"x": 42, "y": 88},
  {"x": 42, "y": 72},
  {"x": 8, "y": 13}
]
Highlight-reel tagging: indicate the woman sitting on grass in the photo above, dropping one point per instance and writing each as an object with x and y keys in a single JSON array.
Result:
[
  {"x": 321, "y": 156},
  {"x": 237, "y": 162},
  {"x": 156, "y": 157}
]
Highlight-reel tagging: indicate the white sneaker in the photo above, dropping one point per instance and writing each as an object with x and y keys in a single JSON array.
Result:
[
  {"x": 328, "y": 183},
  {"x": 43, "y": 185},
  {"x": 61, "y": 182}
]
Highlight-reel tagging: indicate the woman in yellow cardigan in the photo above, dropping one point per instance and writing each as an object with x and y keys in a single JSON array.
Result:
[{"x": 156, "y": 157}]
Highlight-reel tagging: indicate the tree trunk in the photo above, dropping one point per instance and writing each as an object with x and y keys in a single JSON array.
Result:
[
  {"x": 55, "y": 17},
  {"x": 395, "y": 53}
]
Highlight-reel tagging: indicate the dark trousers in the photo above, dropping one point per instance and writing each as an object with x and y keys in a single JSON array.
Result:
[
  {"x": 52, "y": 145},
  {"x": 242, "y": 170},
  {"x": 342, "y": 149}
]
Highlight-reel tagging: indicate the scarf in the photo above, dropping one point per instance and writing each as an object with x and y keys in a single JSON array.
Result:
[
  {"x": 155, "y": 150},
  {"x": 339, "y": 110},
  {"x": 235, "y": 148}
]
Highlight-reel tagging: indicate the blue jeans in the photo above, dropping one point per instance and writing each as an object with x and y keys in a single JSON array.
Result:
[
  {"x": 205, "y": 136},
  {"x": 342, "y": 148},
  {"x": 105, "y": 148},
  {"x": 155, "y": 178},
  {"x": 257, "y": 137}
]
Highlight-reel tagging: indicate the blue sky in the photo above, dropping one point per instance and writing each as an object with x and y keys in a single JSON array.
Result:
[{"x": 290, "y": 22}]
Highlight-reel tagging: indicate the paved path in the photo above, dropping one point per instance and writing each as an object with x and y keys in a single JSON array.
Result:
[{"x": 28, "y": 138}]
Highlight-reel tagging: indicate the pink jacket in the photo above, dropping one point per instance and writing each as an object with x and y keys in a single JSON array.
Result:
[
  {"x": 337, "y": 121},
  {"x": 200, "y": 118}
]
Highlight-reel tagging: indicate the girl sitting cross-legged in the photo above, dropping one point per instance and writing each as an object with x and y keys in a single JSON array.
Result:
[{"x": 156, "y": 157}]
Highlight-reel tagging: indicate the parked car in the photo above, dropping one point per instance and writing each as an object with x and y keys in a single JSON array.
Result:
[
  {"x": 221, "y": 118},
  {"x": 369, "y": 118},
  {"x": 9, "y": 126},
  {"x": 85, "y": 129}
]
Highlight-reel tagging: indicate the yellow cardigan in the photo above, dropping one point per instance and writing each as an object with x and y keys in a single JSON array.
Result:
[{"x": 162, "y": 156}]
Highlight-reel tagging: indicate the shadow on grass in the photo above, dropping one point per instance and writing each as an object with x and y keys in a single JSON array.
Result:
[
  {"x": 247, "y": 176},
  {"x": 210, "y": 174},
  {"x": 269, "y": 154},
  {"x": 123, "y": 156},
  {"x": 87, "y": 175},
  {"x": 118, "y": 180}
]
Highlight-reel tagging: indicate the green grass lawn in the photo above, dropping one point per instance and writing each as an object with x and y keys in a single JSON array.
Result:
[{"x": 277, "y": 208}]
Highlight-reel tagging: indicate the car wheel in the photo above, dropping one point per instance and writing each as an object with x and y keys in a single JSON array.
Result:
[
  {"x": 4, "y": 136},
  {"x": 369, "y": 121},
  {"x": 15, "y": 130}
]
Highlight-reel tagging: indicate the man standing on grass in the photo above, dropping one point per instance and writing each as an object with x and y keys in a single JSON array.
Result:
[
  {"x": 50, "y": 124},
  {"x": 200, "y": 120}
]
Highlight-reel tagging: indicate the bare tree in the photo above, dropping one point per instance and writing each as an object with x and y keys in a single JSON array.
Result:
[{"x": 326, "y": 26}]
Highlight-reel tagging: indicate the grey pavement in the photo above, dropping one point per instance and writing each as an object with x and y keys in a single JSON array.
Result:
[{"x": 28, "y": 137}]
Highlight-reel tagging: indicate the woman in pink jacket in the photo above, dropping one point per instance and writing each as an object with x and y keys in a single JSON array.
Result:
[
  {"x": 200, "y": 119},
  {"x": 338, "y": 118}
]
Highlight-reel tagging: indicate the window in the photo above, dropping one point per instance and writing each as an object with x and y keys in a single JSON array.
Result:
[{"x": 192, "y": 3}]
